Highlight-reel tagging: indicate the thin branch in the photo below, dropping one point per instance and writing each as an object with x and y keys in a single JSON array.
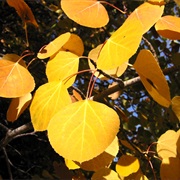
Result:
[{"x": 12, "y": 134}]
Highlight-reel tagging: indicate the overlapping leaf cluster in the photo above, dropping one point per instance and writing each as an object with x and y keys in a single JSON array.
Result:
[{"x": 85, "y": 132}]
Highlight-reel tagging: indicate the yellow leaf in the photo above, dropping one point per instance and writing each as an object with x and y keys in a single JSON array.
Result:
[
  {"x": 152, "y": 77},
  {"x": 54, "y": 46},
  {"x": 169, "y": 27},
  {"x": 170, "y": 168},
  {"x": 157, "y": 2},
  {"x": 15, "y": 80},
  {"x": 105, "y": 174},
  {"x": 147, "y": 14},
  {"x": 74, "y": 45},
  {"x": 86, "y": 129},
  {"x": 120, "y": 46},
  {"x": 71, "y": 164},
  {"x": 176, "y": 106},
  {"x": 116, "y": 94},
  {"x": 90, "y": 13},
  {"x": 63, "y": 65},
  {"x": 18, "y": 106},
  {"x": 23, "y": 11},
  {"x": 166, "y": 146},
  {"x": 127, "y": 165},
  {"x": 48, "y": 100},
  {"x": 102, "y": 160}
]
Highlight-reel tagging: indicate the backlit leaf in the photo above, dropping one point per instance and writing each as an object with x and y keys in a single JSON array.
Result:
[
  {"x": 54, "y": 46},
  {"x": 120, "y": 46},
  {"x": 170, "y": 168},
  {"x": 90, "y": 13},
  {"x": 48, "y": 100},
  {"x": 88, "y": 127},
  {"x": 166, "y": 146},
  {"x": 169, "y": 27},
  {"x": 127, "y": 165},
  {"x": 15, "y": 80},
  {"x": 74, "y": 45},
  {"x": 23, "y": 11},
  {"x": 105, "y": 174},
  {"x": 63, "y": 65},
  {"x": 147, "y": 14},
  {"x": 176, "y": 106},
  {"x": 102, "y": 160},
  {"x": 71, "y": 164},
  {"x": 152, "y": 77},
  {"x": 157, "y": 2},
  {"x": 18, "y": 106}
]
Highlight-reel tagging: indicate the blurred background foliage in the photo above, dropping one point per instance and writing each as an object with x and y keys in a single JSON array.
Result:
[{"x": 31, "y": 156}]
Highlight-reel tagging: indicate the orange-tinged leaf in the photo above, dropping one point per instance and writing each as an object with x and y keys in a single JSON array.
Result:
[
  {"x": 18, "y": 106},
  {"x": 169, "y": 27},
  {"x": 127, "y": 165},
  {"x": 166, "y": 146},
  {"x": 152, "y": 77},
  {"x": 63, "y": 65},
  {"x": 54, "y": 46},
  {"x": 102, "y": 160},
  {"x": 74, "y": 45},
  {"x": 147, "y": 14},
  {"x": 23, "y": 11},
  {"x": 120, "y": 46},
  {"x": 48, "y": 100},
  {"x": 88, "y": 127},
  {"x": 105, "y": 174},
  {"x": 90, "y": 13},
  {"x": 170, "y": 168},
  {"x": 15, "y": 80},
  {"x": 157, "y": 2},
  {"x": 176, "y": 106}
]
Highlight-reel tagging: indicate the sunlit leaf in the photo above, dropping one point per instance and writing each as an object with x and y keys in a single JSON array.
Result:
[
  {"x": 127, "y": 165},
  {"x": 48, "y": 100},
  {"x": 170, "y": 168},
  {"x": 88, "y": 127},
  {"x": 120, "y": 46},
  {"x": 166, "y": 146},
  {"x": 90, "y": 13},
  {"x": 169, "y": 27},
  {"x": 105, "y": 174},
  {"x": 63, "y": 65},
  {"x": 102, "y": 160},
  {"x": 18, "y": 106},
  {"x": 147, "y": 14},
  {"x": 54, "y": 46},
  {"x": 15, "y": 80},
  {"x": 23, "y": 11},
  {"x": 74, "y": 45},
  {"x": 152, "y": 77},
  {"x": 176, "y": 106},
  {"x": 71, "y": 164},
  {"x": 157, "y": 2}
]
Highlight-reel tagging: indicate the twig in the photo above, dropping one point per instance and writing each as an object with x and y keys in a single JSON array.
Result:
[{"x": 11, "y": 134}]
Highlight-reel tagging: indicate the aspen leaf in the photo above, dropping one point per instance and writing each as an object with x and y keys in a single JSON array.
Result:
[
  {"x": 89, "y": 13},
  {"x": 157, "y": 2},
  {"x": 48, "y": 100},
  {"x": 116, "y": 94},
  {"x": 18, "y": 106},
  {"x": 54, "y": 46},
  {"x": 23, "y": 11},
  {"x": 152, "y": 77},
  {"x": 170, "y": 168},
  {"x": 74, "y": 45},
  {"x": 102, "y": 160},
  {"x": 105, "y": 174},
  {"x": 75, "y": 96},
  {"x": 166, "y": 146},
  {"x": 127, "y": 165},
  {"x": 63, "y": 65},
  {"x": 85, "y": 127},
  {"x": 176, "y": 106},
  {"x": 15, "y": 80},
  {"x": 120, "y": 46},
  {"x": 147, "y": 14},
  {"x": 71, "y": 164},
  {"x": 169, "y": 27}
]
